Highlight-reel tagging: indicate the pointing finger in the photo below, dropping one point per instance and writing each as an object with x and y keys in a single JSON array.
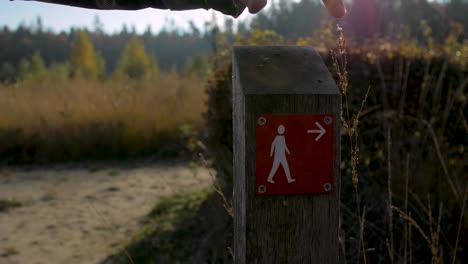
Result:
[{"x": 336, "y": 8}]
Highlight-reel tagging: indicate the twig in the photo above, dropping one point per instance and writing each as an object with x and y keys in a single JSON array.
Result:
[
  {"x": 406, "y": 208},
  {"x": 438, "y": 227},
  {"x": 227, "y": 205},
  {"x": 465, "y": 124},
  {"x": 424, "y": 88},
  {"x": 460, "y": 225},
  {"x": 389, "y": 189},
  {"x": 442, "y": 162},
  {"x": 421, "y": 231},
  {"x": 410, "y": 233},
  {"x": 361, "y": 233},
  {"x": 350, "y": 126},
  {"x": 362, "y": 245},
  {"x": 431, "y": 219}
]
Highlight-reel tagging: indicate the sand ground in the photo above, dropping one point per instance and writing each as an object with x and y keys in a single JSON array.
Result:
[{"x": 80, "y": 213}]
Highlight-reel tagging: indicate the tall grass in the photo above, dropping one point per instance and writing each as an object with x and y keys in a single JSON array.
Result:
[
  {"x": 80, "y": 119},
  {"x": 414, "y": 122}
]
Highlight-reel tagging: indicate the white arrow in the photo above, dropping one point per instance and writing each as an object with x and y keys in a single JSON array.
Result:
[{"x": 321, "y": 131}]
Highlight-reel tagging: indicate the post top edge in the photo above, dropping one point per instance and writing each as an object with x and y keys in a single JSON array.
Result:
[{"x": 281, "y": 70}]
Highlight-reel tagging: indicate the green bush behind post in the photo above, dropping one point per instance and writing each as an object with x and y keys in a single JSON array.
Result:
[
  {"x": 406, "y": 92},
  {"x": 218, "y": 117}
]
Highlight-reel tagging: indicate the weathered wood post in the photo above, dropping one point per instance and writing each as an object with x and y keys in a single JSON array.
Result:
[{"x": 286, "y": 156}]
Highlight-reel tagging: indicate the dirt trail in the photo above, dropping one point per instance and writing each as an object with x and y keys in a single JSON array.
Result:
[{"x": 79, "y": 215}]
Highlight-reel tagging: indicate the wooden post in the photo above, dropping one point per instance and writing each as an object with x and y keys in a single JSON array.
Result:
[{"x": 285, "y": 84}]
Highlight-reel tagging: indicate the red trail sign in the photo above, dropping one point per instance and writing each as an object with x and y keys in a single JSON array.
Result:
[{"x": 294, "y": 154}]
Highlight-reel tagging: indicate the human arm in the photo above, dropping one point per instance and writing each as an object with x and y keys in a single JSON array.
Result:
[
  {"x": 234, "y": 8},
  {"x": 227, "y": 7}
]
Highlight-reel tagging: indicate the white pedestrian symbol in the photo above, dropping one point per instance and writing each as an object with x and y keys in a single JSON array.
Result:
[{"x": 279, "y": 148}]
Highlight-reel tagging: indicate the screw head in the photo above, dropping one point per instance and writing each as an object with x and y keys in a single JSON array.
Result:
[
  {"x": 261, "y": 121},
  {"x": 328, "y": 120},
  {"x": 261, "y": 189},
  {"x": 327, "y": 187}
]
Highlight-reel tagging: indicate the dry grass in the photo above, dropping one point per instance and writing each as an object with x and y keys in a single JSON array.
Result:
[
  {"x": 441, "y": 97},
  {"x": 147, "y": 106},
  {"x": 90, "y": 113},
  {"x": 350, "y": 127}
]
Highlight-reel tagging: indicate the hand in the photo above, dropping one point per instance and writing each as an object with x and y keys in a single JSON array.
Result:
[
  {"x": 255, "y": 5},
  {"x": 336, "y": 8}
]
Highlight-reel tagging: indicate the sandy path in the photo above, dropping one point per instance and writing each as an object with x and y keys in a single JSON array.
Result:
[{"x": 79, "y": 215}]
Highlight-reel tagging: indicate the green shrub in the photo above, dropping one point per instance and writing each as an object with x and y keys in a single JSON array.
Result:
[
  {"x": 218, "y": 118},
  {"x": 8, "y": 204},
  {"x": 183, "y": 228}
]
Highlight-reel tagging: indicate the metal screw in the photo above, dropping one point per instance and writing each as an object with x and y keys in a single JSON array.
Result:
[
  {"x": 261, "y": 120},
  {"x": 261, "y": 189},
  {"x": 328, "y": 120},
  {"x": 327, "y": 187}
]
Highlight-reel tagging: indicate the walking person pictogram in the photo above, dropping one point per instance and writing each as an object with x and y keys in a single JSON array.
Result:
[{"x": 279, "y": 148}]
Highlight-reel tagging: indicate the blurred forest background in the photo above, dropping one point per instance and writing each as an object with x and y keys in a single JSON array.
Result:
[
  {"x": 60, "y": 87},
  {"x": 87, "y": 94}
]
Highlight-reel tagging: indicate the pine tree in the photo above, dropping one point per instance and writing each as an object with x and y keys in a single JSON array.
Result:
[
  {"x": 32, "y": 69},
  {"x": 37, "y": 68},
  {"x": 7, "y": 72},
  {"x": 135, "y": 62},
  {"x": 84, "y": 61}
]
